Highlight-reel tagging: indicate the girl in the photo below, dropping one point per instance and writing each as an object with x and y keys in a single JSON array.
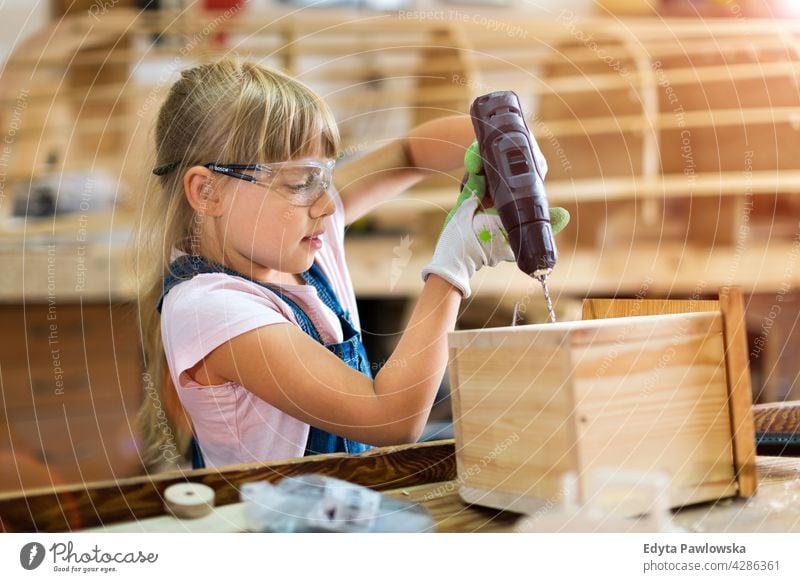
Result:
[{"x": 243, "y": 239}]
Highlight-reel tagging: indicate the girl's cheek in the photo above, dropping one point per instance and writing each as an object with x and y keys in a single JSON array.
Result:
[
  {"x": 244, "y": 227},
  {"x": 289, "y": 214},
  {"x": 265, "y": 228}
]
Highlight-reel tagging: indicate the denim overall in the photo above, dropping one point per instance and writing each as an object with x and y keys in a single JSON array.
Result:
[{"x": 351, "y": 350}]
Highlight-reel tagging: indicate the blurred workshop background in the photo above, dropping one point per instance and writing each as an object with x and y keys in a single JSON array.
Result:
[{"x": 670, "y": 127}]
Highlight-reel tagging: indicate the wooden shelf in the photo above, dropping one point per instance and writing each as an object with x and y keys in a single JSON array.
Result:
[{"x": 672, "y": 270}]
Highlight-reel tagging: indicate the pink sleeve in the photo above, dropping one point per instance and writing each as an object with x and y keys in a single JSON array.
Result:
[{"x": 200, "y": 315}]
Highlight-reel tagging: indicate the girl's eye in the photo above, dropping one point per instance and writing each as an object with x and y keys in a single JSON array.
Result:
[{"x": 298, "y": 186}]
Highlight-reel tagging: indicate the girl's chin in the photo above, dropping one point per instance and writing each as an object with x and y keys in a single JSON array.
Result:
[{"x": 305, "y": 260}]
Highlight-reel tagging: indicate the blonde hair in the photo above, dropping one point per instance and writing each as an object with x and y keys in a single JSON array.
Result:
[{"x": 229, "y": 111}]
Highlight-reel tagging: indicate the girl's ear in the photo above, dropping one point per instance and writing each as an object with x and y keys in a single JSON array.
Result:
[{"x": 201, "y": 191}]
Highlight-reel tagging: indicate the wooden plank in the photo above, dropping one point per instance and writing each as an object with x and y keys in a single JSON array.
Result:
[
  {"x": 658, "y": 269},
  {"x": 591, "y": 83},
  {"x": 604, "y": 308},
  {"x": 651, "y": 210},
  {"x": 487, "y": 47},
  {"x": 778, "y": 425},
  {"x": 76, "y": 507},
  {"x": 429, "y": 87},
  {"x": 350, "y": 20},
  {"x": 628, "y": 188},
  {"x": 626, "y": 7},
  {"x": 777, "y": 417},
  {"x": 658, "y": 402},
  {"x": 709, "y": 184},
  {"x": 511, "y": 414},
  {"x": 739, "y": 389}
]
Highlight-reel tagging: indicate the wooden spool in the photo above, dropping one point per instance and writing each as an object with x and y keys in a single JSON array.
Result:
[{"x": 189, "y": 500}]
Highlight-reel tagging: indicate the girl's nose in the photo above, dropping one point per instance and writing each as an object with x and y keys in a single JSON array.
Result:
[{"x": 324, "y": 206}]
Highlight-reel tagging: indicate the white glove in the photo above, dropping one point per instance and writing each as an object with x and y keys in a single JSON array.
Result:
[{"x": 469, "y": 241}]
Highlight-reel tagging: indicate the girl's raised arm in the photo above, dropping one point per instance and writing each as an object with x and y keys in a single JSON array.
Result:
[{"x": 386, "y": 172}]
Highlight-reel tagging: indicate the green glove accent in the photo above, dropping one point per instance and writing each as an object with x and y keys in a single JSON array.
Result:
[
  {"x": 559, "y": 219},
  {"x": 473, "y": 164},
  {"x": 485, "y": 235}
]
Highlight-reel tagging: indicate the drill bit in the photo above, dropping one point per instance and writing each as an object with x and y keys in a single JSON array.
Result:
[{"x": 542, "y": 277}]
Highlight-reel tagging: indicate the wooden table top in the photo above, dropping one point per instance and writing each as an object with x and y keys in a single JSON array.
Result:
[{"x": 424, "y": 473}]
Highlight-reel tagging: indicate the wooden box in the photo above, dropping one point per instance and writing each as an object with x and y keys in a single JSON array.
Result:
[{"x": 664, "y": 390}]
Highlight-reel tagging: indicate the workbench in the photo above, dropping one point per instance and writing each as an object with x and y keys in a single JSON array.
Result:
[{"x": 424, "y": 473}]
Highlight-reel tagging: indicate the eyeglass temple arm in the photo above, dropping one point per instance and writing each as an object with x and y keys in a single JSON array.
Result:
[{"x": 229, "y": 170}]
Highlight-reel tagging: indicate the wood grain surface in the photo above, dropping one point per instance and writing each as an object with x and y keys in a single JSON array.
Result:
[
  {"x": 777, "y": 426},
  {"x": 740, "y": 392},
  {"x": 778, "y": 417},
  {"x": 731, "y": 305},
  {"x": 596, "y": 308},
  {"x": 75, "y": 507}
]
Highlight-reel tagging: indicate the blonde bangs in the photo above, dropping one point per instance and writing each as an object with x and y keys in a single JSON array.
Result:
[{"x": 278, "y": 118}]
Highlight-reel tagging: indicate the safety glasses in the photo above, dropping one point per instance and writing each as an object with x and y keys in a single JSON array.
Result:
[{"x": 301, "y": 182}]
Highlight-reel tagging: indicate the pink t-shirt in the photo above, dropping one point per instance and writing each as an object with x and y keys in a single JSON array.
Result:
[{"x": 232, "y": 424}]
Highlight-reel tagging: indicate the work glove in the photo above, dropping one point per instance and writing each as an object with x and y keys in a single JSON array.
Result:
[{"x": 472, "y": 238}]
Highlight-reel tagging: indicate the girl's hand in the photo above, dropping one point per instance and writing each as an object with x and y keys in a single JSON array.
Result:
[
  {"x": 469, "y": 241},
  {"x": 473, "y": 238}
]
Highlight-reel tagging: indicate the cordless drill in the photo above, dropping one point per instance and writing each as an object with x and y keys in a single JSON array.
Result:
[{"x": 515, "y": 169}]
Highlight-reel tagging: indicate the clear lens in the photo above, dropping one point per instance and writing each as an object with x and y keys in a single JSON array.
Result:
[{"x": 302, "y": 183}]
